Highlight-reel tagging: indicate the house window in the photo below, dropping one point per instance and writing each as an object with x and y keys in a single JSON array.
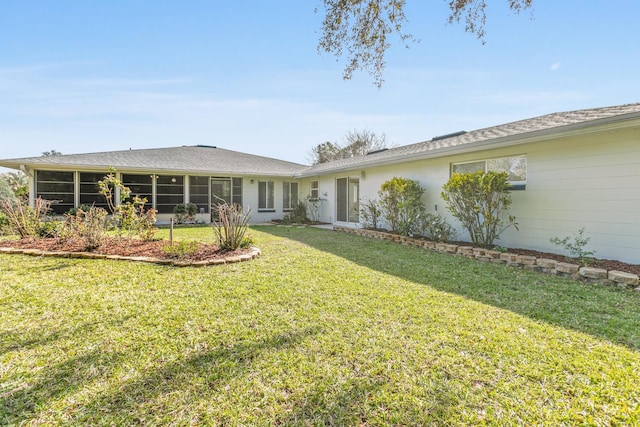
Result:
[
  {"x": 169, "y": 192},
  {"x": 90, "y": 190},
  {"x": 265, "y": 196},
  {"x": 315, "y": 193},
  {"x": 140, "y": 185},
  {"x": 199, "y": 192},
  {"x": 57, "y": 187},
  {"x": 289, "y": 195},
  {"x": 515, "y": 167}
]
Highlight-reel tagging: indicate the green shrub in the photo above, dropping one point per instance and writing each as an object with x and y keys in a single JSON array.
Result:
[
  {"x": 185, "y": 212},
  {"x": 370, "y": 214},
  {"x": 89, "y": 225},
  {"x": 297, "y": 215},
  {"x": 434, "y": 227},
  {"x": 50, "y": 229},
  {"x": 231, "y": 226},
  {"x": 480, "y": 201},
  {"x": 576, "y": 247},
  {"x": 182, "y": 250},
  {"x": 401, "y": 205}
]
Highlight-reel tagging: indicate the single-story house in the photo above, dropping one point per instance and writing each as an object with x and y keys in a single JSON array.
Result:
[{"x": 569, "y": 170}]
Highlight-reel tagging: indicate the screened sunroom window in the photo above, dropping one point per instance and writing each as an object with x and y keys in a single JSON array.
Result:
[
  {"x": 140, "y": 185},
  {"x": 57, "y": 187},
  {"x": 199, "y": 192},
  {"x": 169, "y": 192},
  {"x": 90, "y": 190}
]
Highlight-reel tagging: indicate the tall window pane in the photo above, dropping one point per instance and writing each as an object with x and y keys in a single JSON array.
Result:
[{"x": 265, "y": 195}]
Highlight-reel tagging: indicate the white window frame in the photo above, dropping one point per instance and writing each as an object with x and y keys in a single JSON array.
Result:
[
  {"x": 269, "y": 187},
  {"x": 314, "y": 189},
  {"x": 486, "y": 166}
]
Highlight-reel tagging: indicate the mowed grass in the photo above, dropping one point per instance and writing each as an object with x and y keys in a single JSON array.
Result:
[{"x": 324, "y": 329}]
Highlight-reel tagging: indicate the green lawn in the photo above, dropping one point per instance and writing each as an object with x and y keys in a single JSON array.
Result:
[{"x": 324, "y": 329}]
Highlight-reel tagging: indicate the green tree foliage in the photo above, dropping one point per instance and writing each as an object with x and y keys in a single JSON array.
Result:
[
  {"x": 480, "y": 202},
  {"x": 400, "y": 200},
  {"x": 6, "y": 192},
  {"x": 51, "y": 153},
  {"x": 357, "y": 143},
  {"x": 362, "y": 30},
  {"x": 18, "y": 182}
]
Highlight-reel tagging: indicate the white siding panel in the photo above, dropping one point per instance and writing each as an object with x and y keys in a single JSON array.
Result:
[{"x": 588, "y": 181}]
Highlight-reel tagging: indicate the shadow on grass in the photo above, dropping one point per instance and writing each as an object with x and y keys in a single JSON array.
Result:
[
  {"x": 602, "y": 311},
  {"x": 22, "y": 339},
  {"x": 22, "y": 400},
  {"x": 200, "y": 374}
]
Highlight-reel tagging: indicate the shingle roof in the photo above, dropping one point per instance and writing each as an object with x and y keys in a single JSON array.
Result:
[
  {"x": 192, "y": 159},
  {"x": 549, "y": 123},
  {"x": 211, "y": 160}
]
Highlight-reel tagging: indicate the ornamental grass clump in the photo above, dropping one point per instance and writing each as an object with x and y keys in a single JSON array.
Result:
[
  {"x": 231, "y": 227},
  {"x": 480, "y": 201},
  {"x": 23, "y": 219}
]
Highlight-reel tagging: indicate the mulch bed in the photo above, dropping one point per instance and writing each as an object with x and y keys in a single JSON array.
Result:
[{"x": 123, "y": 247}]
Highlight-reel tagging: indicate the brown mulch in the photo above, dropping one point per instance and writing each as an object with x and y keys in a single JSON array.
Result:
[{"x": 123, "y": 247}]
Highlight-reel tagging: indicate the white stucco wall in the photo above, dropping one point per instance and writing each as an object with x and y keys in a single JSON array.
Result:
[{"x": 590, "y": 181}]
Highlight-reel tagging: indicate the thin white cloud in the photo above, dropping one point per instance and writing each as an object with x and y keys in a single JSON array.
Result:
[{"x": 554, "y": 67}]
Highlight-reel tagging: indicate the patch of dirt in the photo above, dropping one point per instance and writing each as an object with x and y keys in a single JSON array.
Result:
[{"x": 123, "y": 247}]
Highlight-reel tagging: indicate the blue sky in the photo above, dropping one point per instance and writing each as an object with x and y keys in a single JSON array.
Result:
[{"x": 86, "y": 76}]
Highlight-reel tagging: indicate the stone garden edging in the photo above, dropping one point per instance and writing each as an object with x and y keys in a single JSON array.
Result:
[
  {"x": 255, "y": 253},
  {"x": 543, "y": 265}
]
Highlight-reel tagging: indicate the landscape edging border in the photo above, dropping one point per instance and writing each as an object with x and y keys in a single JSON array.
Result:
[
  {"x": 542, "y": 265},
  {"x": 253, "y": 254}
]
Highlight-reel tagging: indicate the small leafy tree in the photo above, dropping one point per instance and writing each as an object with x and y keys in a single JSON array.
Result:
[
  {"x": 401, "y": 205},
  {"x": 231, "y": 226},
  {"x": 576, "y": 246},
  {"x": 129, "y": 215},
  {"x": 370, "y": 214},
  {"x": 480, "y": 201},
  {"x": 185, "y": 212}
]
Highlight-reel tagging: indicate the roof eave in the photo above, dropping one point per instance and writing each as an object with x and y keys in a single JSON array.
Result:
[{"x": 592, "y": 126}]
